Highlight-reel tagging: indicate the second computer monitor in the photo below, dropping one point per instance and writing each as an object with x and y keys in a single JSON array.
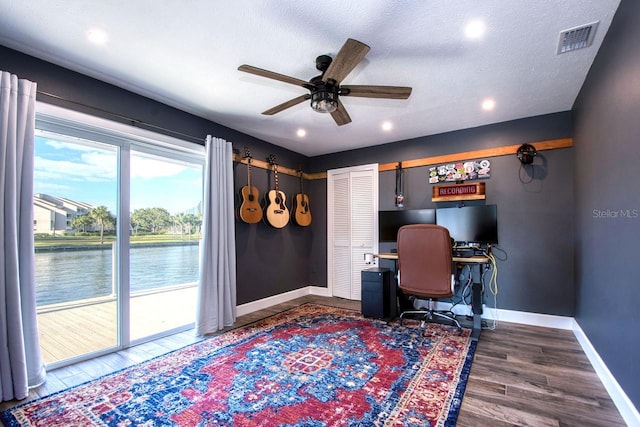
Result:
[{"x": 470, "y": 224}]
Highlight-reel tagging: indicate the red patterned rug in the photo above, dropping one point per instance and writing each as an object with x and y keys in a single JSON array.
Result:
[{"x": 310, "y": 366}]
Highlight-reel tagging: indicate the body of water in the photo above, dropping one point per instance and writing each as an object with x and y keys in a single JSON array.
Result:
[{"x": 64, "y": 276}]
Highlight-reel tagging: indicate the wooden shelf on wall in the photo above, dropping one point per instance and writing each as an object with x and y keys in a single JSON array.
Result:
[{"x": 550, "y": 144}]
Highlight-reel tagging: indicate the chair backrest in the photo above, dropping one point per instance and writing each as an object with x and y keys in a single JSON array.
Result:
[{"x": 424, "y": 260}]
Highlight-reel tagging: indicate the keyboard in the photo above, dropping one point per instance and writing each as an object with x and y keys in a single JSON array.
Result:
[{"x": 463, "y": 252}]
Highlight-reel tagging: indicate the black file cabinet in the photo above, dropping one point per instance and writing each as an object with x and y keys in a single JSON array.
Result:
[{"x": 378, "y": 294}]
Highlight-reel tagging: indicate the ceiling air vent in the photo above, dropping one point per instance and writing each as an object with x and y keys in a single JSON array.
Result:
[{"x": 577, "y": 38}]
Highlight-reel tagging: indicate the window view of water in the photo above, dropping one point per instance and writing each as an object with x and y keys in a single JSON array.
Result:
[{"x": 64, "y": 276}]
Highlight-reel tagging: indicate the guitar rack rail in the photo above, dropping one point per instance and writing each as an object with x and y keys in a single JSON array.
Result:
[
  {"x": 281, "y": 169},
  {"x": 426, "y": 161}
]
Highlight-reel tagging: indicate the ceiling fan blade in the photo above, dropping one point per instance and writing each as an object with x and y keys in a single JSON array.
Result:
[
  {"x": 350, "y": 55},
  {"x": 340, "y": 115},
  {"x": 285, "y": 105},
  {"x": 271, "y": 75},
  {"x": 391, "y": 92}
]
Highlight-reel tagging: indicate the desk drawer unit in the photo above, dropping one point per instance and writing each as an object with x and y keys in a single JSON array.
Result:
[{"x": 378, "y": 294}]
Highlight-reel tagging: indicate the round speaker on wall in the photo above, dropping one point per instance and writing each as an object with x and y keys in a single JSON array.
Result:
[{"x": 526, "y": 153}]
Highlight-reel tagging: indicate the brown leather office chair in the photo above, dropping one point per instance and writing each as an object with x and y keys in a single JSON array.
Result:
[{"x": 424, "y": 268}]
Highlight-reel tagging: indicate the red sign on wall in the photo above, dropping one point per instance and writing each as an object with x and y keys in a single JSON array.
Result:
[{"x": 475, "y": 191}]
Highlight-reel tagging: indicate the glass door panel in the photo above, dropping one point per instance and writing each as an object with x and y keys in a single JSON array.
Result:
[
  {"x": 166, "y": 217},
  {"x": 74, "y": 206}
]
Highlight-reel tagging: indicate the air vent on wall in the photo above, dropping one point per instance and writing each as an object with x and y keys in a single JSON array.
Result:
[{"x": 577, "y": 38}]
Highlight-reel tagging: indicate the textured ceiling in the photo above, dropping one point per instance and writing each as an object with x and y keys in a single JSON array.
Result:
[{"x": 186, "y": 54}]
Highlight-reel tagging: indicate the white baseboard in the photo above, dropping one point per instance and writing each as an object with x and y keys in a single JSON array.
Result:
[
  {"x": 627, "y": 410},
  {"x": 319, "y": 291},
  {"x": 533, "y": 319},
  {"x": 625, "y": 406},
  {"x": 526, "y": 318},
  {"x": 252, "y": 306}
]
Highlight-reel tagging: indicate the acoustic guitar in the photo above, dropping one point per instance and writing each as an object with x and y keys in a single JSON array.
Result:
[
  {"x": 276, "y": 211},
  {"x": 250, "y": 210},
  {"x": 301, "y": 211}
]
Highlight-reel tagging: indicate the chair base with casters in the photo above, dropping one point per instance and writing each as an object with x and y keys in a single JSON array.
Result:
[{"x": 430, "y": 314}]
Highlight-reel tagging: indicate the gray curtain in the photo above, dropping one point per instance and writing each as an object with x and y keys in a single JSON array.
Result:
[
  {"x": 21, "y": 363},
  {"x": 217, "y": 284}
]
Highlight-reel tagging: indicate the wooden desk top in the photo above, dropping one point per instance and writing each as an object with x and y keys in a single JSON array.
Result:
[
  {"x": 478, "y": 259},
  {"x": 386, "y": 255}
]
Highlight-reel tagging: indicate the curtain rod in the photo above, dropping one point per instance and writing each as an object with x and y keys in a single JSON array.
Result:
[
  {"x": 141, "y": 124},
  {"x": 133, "y": 122}
]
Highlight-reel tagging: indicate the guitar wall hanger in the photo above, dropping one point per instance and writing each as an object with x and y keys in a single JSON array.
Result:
[{"x": 281, "y": 169}]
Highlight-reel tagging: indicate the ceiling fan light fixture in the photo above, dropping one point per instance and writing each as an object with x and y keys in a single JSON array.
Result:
[
  {"x": 324, "y": 98},
  {"x": 325, "y": 90}
]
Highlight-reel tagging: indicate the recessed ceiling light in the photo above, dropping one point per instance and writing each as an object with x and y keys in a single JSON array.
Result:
[
  {"x": 474, "y": 29},
  {"x": 488, "y": 104},
  {"x": 387, "y": 126},
  {"x": 97, "y": 36},
  {"x": 301, "y": 133}
]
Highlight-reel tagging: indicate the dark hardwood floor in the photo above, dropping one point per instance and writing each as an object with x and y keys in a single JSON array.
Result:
[
  {"x": 532, "y": 376},
  {"x": 521, "y": 375}
]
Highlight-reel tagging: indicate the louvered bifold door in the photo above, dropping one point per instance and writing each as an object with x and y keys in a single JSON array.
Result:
[
  {"x": 352, "y": 225},
  {"x": 341, "y": 244},
  {"x": 362, "y": 221}
]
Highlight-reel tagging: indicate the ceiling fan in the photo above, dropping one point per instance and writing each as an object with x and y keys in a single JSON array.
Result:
[{"x": 325, "y": 89}]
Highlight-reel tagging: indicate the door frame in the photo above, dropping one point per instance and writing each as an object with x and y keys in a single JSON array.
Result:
[{"x": 331, "y": 174}]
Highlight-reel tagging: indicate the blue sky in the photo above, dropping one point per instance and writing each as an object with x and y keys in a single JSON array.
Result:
[{"x": 87, "y": 172}]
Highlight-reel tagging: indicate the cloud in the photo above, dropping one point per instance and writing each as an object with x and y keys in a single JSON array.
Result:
[
  {"x": 92, "y": 167},
  {"x": 147, "y": 168},
  {"x": 83, "y": 172},
  {"x": 88, "y": 164},
  {"x": 61, "y": 145},
  {"x": 48, "y": 187}
]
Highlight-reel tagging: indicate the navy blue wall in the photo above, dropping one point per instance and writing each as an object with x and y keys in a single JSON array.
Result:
[
  {"x": 607, "y": 208},
  {"x": 535, "y": 205}
]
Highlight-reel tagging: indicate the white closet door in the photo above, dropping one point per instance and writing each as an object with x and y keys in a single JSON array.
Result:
[
  {"x": 352, "y": 227},
  {"x": 339, "y": 246}
]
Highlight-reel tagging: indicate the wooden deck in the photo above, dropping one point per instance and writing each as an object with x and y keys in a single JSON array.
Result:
[{"x": 67, "y": 331}]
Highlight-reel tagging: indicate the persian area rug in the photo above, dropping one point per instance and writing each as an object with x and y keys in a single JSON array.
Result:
[{"x": 310, "y": 366}]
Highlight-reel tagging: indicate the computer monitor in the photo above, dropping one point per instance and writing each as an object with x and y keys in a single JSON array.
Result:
[
  {"x": 470, "y": 224},
  {"x": 389, "y": 222}
]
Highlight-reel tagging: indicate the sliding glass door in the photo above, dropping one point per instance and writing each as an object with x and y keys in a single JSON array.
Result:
[
  {"x": 166, "y": 194},
  {"x": 117, "y": 221},
  {"x": 74, "y": 209}
]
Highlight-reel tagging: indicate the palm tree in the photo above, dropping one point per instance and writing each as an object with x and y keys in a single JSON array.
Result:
[
  {"x": 180, "y": 219},
  {"x": 81, "y": 222},
  {"x": 102, "y": 218},
  {"x": 192, "y": 222}
]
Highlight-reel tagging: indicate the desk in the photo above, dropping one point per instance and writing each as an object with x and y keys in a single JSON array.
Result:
[{"x": 476, "y": 264}]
